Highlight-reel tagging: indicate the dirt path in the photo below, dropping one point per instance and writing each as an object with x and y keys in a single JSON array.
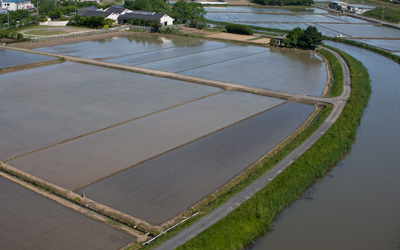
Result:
[
  {"x": 225, "y": 36},
  {"x": 240, "y": 38}
]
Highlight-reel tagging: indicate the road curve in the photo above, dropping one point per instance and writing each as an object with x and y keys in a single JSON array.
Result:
[{"x": 220, "y": 212}]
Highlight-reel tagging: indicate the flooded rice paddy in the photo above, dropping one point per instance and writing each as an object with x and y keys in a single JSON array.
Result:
[
  {"x": 329, "y": 24},
  {"x": 80, "y": 162},
  {"x": 30, "y": 221},
  {"x": 357, "y": 30},
  {"x": 307, "y": 72},
  {"x": 247, "y": 65},
  {"x": 167, "y": 143},
  {"x": 161, "y": 188},
  {"x": 9, "y": 58},
  {"x": 357, "y": 204},
  {"x": 383, "y": 44},
  {"x": 238, "y": 9},
  {"x": 44, "y": 106},
  {"x": 127, "y": 45}
]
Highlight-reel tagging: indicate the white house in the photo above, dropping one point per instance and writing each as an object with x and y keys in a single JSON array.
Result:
[
  {"x": 164, "y": 19},
  {"x": 8, "y": 5}
]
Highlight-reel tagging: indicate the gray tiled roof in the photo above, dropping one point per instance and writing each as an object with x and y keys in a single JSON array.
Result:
[
  {"x": 133, "y": 16},
  {"x": 96, "y": 13}
]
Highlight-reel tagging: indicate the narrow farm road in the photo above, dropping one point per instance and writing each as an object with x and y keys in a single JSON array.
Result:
[{"x": 248, "y": 192}]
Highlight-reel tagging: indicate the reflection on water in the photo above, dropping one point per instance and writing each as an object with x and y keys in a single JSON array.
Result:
[
  {"x": 357, "y": 205},
  {"x": 155, "y": 39},
  {"x": 121, "y": 46}
]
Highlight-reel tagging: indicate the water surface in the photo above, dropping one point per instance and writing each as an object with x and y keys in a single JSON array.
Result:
[
  {"x": 161, "y": 188},
  {"x": 381, "y": 43},
  {"x": 357, "y": 205},
  {"x": 10, "y": 58},
  {"x": 31, "y": 221}
]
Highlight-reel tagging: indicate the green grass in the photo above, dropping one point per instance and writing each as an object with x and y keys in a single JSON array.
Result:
[
  {"x": 390, "y": 14},
  {"x": 337, "y": 71},
  {"x": 255, "y": 216},
  {"x": 44, "y": 32},
  {"x": 392, "y": 56}
]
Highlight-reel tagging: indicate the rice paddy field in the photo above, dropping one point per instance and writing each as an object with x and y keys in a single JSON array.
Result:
[
  {"x": 150, "y": 147},
  {"x": 393, "y": 45},
  {"x": 161, "y": 188},
  {"x": 82, "y": 161},
  {"x": 329, "y": 24},
  {"x": 44, "y": 106},
  {"x": 30, "y": 221},
  {"x": 287, "y": 9},
  {"x": 11, "y": 58},
  {"x": 247, "y": 65}
]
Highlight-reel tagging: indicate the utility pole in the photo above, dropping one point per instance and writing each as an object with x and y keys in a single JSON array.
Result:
[{"x": 383, "y": 9}]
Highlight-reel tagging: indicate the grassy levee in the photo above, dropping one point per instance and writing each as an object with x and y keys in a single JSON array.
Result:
[
  {"x": 337, "y": 83},
  {"x": 261, "y": 168},
  {"x": 394, "y": 57},
  {"x": 390, "y": 14},
  {"x": 255, "y": 216}
]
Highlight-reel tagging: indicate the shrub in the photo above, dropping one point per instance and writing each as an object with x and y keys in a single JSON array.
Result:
[{"x": 238, "y": 29}]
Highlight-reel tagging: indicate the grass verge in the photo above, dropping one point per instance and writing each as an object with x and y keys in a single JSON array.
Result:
[
  {"x": 394, "y": 57},
  {"x": 44, "y": 32},
  {"x": 257, "y": 171},
  {"x": 255, "y": 216},
  {"x": 336, "y": 85},
  {"x": 390, "y": 14}
]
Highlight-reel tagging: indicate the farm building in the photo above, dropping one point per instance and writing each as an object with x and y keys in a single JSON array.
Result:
[{"x": 164, "y": 19}]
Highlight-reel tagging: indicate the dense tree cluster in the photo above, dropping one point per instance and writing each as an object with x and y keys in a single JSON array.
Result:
[
  {"x": 145, "y": 22},
  {"x": 18, "y": 15},
  {"x": 238, "y": 29},
  {"x": 91, "y": 21},
  {"x": 148, "y": 5},
  {"x": 182, "y": 11},
  {"x": 307, "y": 38},
  {"x": 188, "y": 12},
  {"x": 284, "y": 2}
]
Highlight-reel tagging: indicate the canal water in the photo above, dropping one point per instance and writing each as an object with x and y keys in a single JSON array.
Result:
[{"x": 357, "y": 204}]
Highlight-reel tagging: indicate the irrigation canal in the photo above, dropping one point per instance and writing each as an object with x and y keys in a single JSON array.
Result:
[{"x": 357, "y": 204}]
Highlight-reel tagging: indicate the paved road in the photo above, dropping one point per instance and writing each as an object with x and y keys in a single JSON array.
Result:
[
  {"x": 220, "y": 212},
  {"x": 248, "y": 192}
]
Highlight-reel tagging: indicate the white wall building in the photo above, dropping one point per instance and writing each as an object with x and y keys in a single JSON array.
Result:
[{"x": 9, "y": 5}]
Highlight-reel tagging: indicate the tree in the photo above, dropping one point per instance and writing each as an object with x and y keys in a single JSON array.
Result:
[
  {"x": 311, "y": 37},
  {"x": 186, "y": 12},
  {"x": 238, "y": 29},
  {"x": 148, "y": 5},
  {"x": 294, "y": 35}
]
